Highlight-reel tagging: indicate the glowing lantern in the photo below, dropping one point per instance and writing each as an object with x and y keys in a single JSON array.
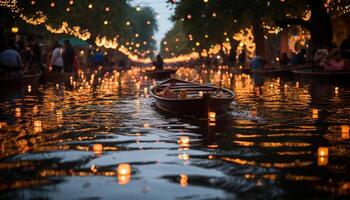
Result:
[
  {"x": 124, "y": 169},
  {"x": 315, "y": 113},
  {"x": 322, "y": 151},
  {"x": 18, "y": 112},
  {"x": 183, "y": 180},
  {"x": 184, "y": 141},
  {"x": 322, "y": 160},
  {"x": 200, "y": 94},
  {"x": 124, "y": 174},
  {"x": 37, "y": 123},
  {"x": 322, "y": 156},
  {"x": 344, "y": 132},
  {"x": 97, "y": 148},
  {"x": 14, "y": 29},
  {"x": 212, "y": 116},
  {"x": 29, "y": 88}
]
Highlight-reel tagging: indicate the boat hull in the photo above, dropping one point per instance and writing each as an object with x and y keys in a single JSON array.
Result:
[
  {"x": 56, "y": 78},
  {"x": 25, "y": 80},
  {"x": 197, "y": 106},
  {"x": 160, "y": 74}
]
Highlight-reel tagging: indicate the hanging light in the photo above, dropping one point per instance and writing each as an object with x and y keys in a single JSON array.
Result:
[{"x": 14, "y": 29}]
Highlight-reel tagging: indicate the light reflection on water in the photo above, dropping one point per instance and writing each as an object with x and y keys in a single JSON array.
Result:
[{"x": 102, "y": 136}]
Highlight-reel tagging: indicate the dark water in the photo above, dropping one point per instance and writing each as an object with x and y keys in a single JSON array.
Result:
[{"x": 66, "y": 142}]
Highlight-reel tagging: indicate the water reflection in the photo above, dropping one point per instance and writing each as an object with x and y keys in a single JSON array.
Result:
[{"x": 100, "y": 134}]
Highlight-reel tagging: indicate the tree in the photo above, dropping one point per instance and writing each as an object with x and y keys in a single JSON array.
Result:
[{"x": 228, "y": 16}]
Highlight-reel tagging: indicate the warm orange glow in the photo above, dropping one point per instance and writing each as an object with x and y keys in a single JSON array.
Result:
[
  {"x": 315, "y": 113},
  {"x": 14, "y": 29},
  {"x": 184, "y": 156},
  {"x": 183, "y": 180},
  {"x": 322, "y": 160},
  {"x": 146, "y": 125},
  {"x": 18, "y": 112},
  {"x": 97, "y": 148},
  {"x": 322, "y": 151},
  {"x": 184, "y": 141},
  {"x": 37, "y": 123},
  {"x": 124, "y": 173},
  {"x": 212, "y": 116},
  {"x": 345, "y": 132},
  {"x": 124, "y": 169},
  {"x": 124, "y": 179}
]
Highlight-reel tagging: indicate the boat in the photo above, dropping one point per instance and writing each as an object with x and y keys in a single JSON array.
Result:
[
  {"x": 160, "y": 74},
  {"x": 26, "y": 79},
  {"x": 201, "y": 101},
  {"x": 57, "y": 77},
  {"x": 317, "y": 73},
  {"x": 280, "y": 71}
]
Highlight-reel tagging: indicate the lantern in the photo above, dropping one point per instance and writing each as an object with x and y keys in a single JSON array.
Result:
[
  {"x": 315, "y": 113},
  {"x": 322, "y": 156},
  {"x": 322, "y": 151},
  {"x": 124, "y": 174},
  {"x": 212, "y": 116},
  {"x": 322, "y": 160},
  {"x": 344, "y": 132},
  {"x": 37, "y": 123},
  {"x": 97, "y": 148},
  {"x": 14, "y": 29},
  {"x": 184, "y": 141},
  {"x": 124, "y": 169},
  {"x": 183, "y": 180},
  {"x": 18, "y": 112}
]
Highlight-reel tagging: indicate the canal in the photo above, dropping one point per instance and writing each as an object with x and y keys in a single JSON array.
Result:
[{"x": 101, "y": 137}]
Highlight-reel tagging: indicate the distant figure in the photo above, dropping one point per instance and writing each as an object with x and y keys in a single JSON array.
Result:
[
  {"x": 98, "y": 58},
  {"x": 11, "y": 64},
  {"x": 159, "y": 63},
  {"x": 321, "y": 56},
  {"x": 299, "y": 58},
  {"x": 284, "y": 60},
  {"x": 56, "y": 58},
  {"x": 335, "y": 61},
  {"x": 258, "y": 63},
  {"x": 68, "y": 56},
  {"x": 345, "y": 48}
]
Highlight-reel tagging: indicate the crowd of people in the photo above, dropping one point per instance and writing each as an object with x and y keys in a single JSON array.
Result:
[
  {"x": 18, "y": 57},
  {"x": 332, "y": 59}
]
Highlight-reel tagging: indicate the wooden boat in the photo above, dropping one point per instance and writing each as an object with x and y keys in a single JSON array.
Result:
[
  {"x": 57, "y": 78},
  {"x": 287, "y": 70},
  {"x": 160, "y": 74},
  {"x": 317, "y": 73},
  {"x": 201, "y": 101},
  {"x": 31, "y": 78}
]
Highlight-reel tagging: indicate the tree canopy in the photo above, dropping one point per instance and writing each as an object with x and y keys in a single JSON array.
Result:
[{"x": 108, "y": 18}]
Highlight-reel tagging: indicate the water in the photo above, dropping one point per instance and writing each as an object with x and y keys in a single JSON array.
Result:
[{"x": 67, "y": 141}]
